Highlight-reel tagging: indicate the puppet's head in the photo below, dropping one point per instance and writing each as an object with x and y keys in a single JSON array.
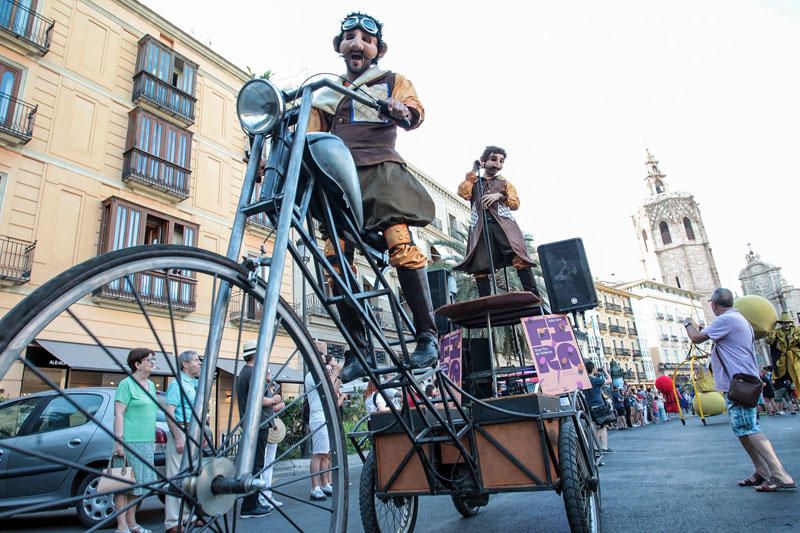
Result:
[{"x": 360, "y": 42}]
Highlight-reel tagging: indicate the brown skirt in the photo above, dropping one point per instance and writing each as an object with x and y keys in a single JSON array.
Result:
[{"x": 392, "y": 195}]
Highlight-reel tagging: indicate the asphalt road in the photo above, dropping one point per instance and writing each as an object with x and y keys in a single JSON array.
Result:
[{"x": 659, "y": 478}]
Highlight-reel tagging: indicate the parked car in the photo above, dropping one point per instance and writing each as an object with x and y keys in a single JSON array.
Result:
[{"x": 51, "y": 426}]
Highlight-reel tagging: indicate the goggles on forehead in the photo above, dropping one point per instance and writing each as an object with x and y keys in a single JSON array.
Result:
[{"x": 365, "y": 23}]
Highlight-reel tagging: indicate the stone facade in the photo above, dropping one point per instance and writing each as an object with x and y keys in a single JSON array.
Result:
[
  {"x": 674, "y": 246},
  {"x": 766, "y": 280}
]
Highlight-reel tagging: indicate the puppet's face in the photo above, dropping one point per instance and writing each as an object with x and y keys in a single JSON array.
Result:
[
  {"x": 494, "y": 164},
  {"x": 358, "y": 48}
]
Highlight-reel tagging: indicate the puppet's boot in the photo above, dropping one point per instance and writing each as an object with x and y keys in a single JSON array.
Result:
[
  {"x": 527, "y": 281},
  {"x": 418, "y": 296},
  {"x": 352, "y": 368},
  {"x": 484, "y": 286}
]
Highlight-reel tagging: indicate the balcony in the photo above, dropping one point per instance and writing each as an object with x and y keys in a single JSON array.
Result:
[
  {"x": 602, "y": 327},
  {"x": 628, "y": 310},
  {"x": 616, "y": 329},
  {"x": 16, "y": 260},
  {"x": 641, "y": 376},
  {"x": 23, "y": 28},
  {"x": 314, "y": 307},
  {"x": 152, "y": 290},
  {"x": 605, "y": 348},
  {"x": 613, "y": 307},
  {"x": 669, "y": 317},
  {"x": 621, "y": 351},
  {"x": 599, "y": 304},
  {"x": 660, "y": 315},
  {"x": 665, "y": 338},
  {"x": 636, "y": 352},
  {"x": 16, "y": 119},
  {"x": 163, "y": 98},
  {"x": 156, "y": 173},
  {"x": 632, "y": 331},
  {"x": 673, "y": 338},
  {"x": 668, "y": 366},
  {"x": 249, "y": 313}
]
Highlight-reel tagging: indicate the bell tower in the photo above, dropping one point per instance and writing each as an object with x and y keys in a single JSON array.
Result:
[{"x": 672, "y": 238}]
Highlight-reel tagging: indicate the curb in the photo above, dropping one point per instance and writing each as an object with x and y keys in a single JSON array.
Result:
[{"x": 293, "y": 467}]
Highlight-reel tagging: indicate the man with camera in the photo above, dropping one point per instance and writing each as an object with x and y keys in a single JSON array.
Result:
[
  {"x": 602, "y": 416},
  {"x": 733, "y": 356}
]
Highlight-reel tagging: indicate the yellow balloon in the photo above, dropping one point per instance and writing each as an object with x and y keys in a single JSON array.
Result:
[
  {"x": 713, "y": 403},
  {"x": 759, "y": 312}
]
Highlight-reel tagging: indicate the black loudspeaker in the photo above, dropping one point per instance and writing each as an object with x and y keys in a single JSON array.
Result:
[
  {"x": 477, "y": 360},
  {"x": 440, "y": 295},
  {"x": 567, "y": 276}
]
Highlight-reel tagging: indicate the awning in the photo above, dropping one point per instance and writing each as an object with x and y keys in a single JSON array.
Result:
[
  {"x": 93, "y": 357},
  {"x": 287, "y": 375}
]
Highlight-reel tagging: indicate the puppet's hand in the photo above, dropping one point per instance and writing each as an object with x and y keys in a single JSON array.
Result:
[
  {"x": 492, "y": 198},
  {"x": 398, "y": 110}
]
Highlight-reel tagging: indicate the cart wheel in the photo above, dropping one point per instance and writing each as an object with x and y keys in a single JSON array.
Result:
[
  {"x": 384, "y": 515},
  {"x": 581, "y": 492},
  {"x": 469, "y": 506}
]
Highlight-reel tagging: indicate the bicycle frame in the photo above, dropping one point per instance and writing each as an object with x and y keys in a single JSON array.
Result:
[{"x": 288, "y": 207}]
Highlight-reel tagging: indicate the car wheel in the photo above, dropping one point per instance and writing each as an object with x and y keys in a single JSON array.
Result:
[{"x": 93, "y": 509}]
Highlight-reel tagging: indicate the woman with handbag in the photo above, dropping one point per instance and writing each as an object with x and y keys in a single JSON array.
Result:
[
  {"x": 736, "y": 374},
  {"x": 135, "y": 424}
]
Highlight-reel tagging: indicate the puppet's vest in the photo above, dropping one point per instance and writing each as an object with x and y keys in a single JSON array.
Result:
[{"x": 370, "y": 138}]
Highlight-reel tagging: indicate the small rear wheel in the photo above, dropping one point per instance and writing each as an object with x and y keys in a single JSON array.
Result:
[
  {"x": 579, "y": 486},
  {"x": 469, "y": 506},
  {"x": 384, "y": 514}
]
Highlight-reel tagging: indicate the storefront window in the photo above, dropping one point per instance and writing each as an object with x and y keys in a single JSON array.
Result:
[{"x": 31, "y": 383}]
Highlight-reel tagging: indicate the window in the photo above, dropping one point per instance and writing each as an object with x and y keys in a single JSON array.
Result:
[
  {"x": 453, "y": 225},
  {"x": 61, "y": 414},
  {"x": 659, "y": 186},
  {"x": 16, "y": 116},
  {"x": 126, "y": 224},
  {"x": 644, "y": 240},
  {"x": 14, "y": 415},
  {"x": 687, "y": 225},
  {"x": 165, "y": 79},
  {"x": 336, "y": 350},
  {"x": 677, "y": 282},
  {"x": 666, "y": 238},
  {"x": 157, "y": 154}
]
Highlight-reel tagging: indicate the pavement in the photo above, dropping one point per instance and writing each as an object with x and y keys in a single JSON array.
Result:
[{"x": 666, "y": 478}]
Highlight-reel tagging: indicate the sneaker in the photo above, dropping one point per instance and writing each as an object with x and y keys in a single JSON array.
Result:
[
  {"x": 256, "y": 512},
  {"x": 317, "y": 494},
  {"x": 328, "y": 489},
  {"x": 274, "y": 502}
]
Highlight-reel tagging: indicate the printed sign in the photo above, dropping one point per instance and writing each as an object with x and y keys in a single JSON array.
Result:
[
  {"x": 556, "y": 354},
  {"x": 450, "y": 358}
]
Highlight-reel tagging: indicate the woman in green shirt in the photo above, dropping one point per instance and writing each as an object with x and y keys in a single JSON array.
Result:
[{"x": 135, "y": 424}]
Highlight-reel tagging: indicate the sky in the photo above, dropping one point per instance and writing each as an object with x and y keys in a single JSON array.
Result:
[{"x": 575, "y": 91}]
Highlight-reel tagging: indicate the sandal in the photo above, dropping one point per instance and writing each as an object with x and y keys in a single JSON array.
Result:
[
  {"x": 140, "y": 529},
  {"x": 753, "y": 480},
  {"x": 776, "y": 485}
]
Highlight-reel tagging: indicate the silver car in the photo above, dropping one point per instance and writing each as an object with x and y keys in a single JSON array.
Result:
[{"x": 51, "y": 426}]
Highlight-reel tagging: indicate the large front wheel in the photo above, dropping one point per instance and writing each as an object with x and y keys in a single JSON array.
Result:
[
  {"x": 579, "y": 483},
  {"x": 161, "y": 298}
]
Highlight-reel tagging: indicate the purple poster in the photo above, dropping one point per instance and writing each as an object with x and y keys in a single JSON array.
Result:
[
  {"x": 555, "y": 354},
  {"x": 450, "y": 357}
]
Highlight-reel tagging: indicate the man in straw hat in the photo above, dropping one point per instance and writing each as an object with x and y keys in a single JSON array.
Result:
[{"x": 251, "y": 507}]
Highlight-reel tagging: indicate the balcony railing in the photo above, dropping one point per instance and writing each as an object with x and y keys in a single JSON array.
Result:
[
  {"x": 659, "y": 315},
  {"x": 636, "y": 352},
  {"x": 613, "y": 307},
  {"x": 260, "y": 220},
  {"x": 314, "y": 307},
  {"x": 26, "y": 24},
  {"x": 152, "y": 290},
  {"x": 249, "y": 313},
  {"x": 641, "y": 376},
  {"x": 602, "y": 327},
  {"x": 670, "y": 318},
  {"x": 163, "y": 97},
  {"x": 16, "y": 260},
  {"x": 616, "y": 329},
  {"x": 16, "y": 117},
  {"x": 664, "y": 337},
  {"x": 617, "y": 351},
  {"x": 605, "y": 348},
  {"x": 632, "y": 331},
  {"x": 673, "y": 338},
  {"x": 157, "y": 173},
  {"x": 628, "y": 310}
]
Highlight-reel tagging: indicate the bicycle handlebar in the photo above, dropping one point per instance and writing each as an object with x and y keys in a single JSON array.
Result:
[{"x": 379, "y": 105}]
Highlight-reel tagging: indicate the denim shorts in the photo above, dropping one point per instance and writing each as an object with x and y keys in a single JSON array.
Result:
[{"x": 743, "y": 420}]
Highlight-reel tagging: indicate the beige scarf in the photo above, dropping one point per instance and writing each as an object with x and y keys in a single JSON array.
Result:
[{"x": 327, "y": 100}]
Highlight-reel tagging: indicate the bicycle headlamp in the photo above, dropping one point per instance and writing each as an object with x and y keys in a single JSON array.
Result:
[{"x": 259, "y": 105}]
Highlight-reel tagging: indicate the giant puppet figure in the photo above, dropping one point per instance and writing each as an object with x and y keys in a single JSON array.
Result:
[
  {"x": 494, "y": 197},
  {"x": 392, "y": 197}
]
